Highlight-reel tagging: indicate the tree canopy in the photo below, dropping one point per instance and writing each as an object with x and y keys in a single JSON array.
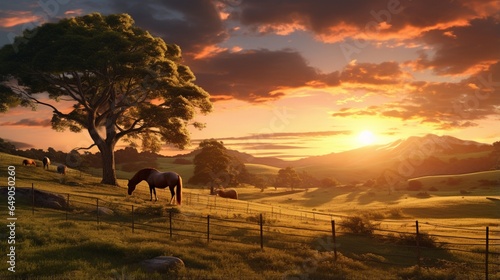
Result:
[
  {"x": 124, "y": 83},
  {"x": 215, "y": 167},
  {"x": 288, "y": 178}
]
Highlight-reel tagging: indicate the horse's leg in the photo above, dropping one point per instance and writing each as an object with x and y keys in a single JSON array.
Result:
[
  {"x": 151, "y": 190},
  {"x": 172, "y": 192},
  {"x": 154, "y": 191}
]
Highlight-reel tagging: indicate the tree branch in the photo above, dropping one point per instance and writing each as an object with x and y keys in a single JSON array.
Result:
[{"x": 85, "y": 148}]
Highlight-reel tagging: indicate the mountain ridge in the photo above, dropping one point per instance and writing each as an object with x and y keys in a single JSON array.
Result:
[{"x": 419, "y": 155}]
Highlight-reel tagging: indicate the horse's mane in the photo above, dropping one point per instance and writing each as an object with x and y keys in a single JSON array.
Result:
[{"x": 142, "y": 174}]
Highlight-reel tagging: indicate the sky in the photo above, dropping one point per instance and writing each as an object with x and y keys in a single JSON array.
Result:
[{"x": 292, "y": 78}]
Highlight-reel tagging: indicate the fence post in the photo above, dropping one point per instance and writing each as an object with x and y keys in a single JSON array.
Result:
[
  {"x": 208, "y": 228},
  {"x": 261, "y": 233},
  {"x": 32, "y": 199},
  {"x": 170, "y": 222},
  {"x": 133, "y": 222},
  {"x": 487, "y": 252},
  {"x": 97, "y": 210},
  {"x": 417, "y": 238},
  {"x": 334, "y": 240},
  {"x": 67, "y": 207}
]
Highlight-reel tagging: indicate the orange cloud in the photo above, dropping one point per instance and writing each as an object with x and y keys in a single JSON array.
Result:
[
  {"x": 29, "y": 122},
  {"x": 13, "y": 18},
  {"x": 443, "y": 105},
  {"x": 209, "y": 51}
]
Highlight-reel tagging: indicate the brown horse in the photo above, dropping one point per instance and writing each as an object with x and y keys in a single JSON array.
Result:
[
  {"x": 157, "y": 179},
  {"x": 46, "y": 162},
  {"x": 61, "y": 169},
  {"x": 227, "y": 194},
  {"x": 27, "y": 162}
]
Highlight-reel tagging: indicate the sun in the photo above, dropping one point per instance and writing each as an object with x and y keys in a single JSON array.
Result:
[{"x": 366, "y": 137}]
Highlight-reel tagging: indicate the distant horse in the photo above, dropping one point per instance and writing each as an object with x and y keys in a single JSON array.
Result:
[
  {"x": 61, "y": 169},
  {"x": 157, "y": 179},
  {"x": 27, "y": 162},
  {"x": 227, "y": 194},
  {"x": 46, "y": 162}
]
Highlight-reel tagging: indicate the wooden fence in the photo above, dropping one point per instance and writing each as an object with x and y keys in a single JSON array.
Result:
[{"x": 265, "y": 226}]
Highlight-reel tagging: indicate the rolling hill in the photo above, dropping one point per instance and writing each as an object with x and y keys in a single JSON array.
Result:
[{"x": 411, "y": 157}]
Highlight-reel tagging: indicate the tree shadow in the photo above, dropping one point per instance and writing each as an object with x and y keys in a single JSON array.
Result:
[
  {"x": 260, "y": 195},
  {"x": 379, "y": 196},
  {"x": 321, "y": 196}
]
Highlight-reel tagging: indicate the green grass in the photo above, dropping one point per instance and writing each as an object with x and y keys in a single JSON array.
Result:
[{"x": 49, "y": 246}]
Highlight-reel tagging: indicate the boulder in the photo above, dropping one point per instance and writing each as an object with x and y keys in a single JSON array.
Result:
[
  {"x": 105, "y": 211},
  {"x": 42, "y": 198},
  {"x": 162, "y": 264}
]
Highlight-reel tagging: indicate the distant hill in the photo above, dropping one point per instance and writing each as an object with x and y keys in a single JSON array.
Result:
[{"x": 412, "y": 157}]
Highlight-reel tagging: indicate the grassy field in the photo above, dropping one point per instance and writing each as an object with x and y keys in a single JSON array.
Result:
[{"x": 49, "y": 247}]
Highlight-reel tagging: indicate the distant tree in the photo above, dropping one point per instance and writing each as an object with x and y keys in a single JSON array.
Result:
[
  {"x": 287, "y": 178},
  {"x": 127, "y": 154},
  {"x": 259, "y": 182},
  {"x": 329, "y": 182},
  {"x": 7, "y": 147},
  {"x": 214, "y": 167},
  {"x": 124, "y": 83},
  {"x": 307, "y": 180}
]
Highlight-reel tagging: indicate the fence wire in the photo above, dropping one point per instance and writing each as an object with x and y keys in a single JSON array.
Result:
[{"x": 252, "y": 223}]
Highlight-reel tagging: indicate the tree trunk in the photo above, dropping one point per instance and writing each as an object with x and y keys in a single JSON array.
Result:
[{"x": 108, "y": 164}]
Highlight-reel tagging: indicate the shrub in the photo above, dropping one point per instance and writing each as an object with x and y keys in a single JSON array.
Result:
[
  {"x": 358, "y": 225},
  {"x": 433, "y": 189},
  {"x": 423, "y": 195},
  {"x": 396, "y": 213},
  {"x": 150, "y": 210},
  {"x": 410, "y": 239}
]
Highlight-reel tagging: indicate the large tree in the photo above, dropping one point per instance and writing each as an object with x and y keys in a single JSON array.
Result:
[
  {"x": 215, "y": 167},
  {"x": 125, "y": 84},
  {"x": 288, "y": 178}
]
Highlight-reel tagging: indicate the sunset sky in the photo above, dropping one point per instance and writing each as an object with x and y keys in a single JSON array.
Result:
[{"x": 297, "y": 78}]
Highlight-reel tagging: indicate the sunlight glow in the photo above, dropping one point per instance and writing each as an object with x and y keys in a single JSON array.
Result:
[{"x": 366, "y": 137}]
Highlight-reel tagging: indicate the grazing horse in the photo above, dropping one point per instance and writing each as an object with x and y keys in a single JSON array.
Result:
[
  {"x": 157, "y": 179},
  {"x": 27, "y": 162},
  {"x": 46, "y": 162},
  {"x": 227, "y": 194},
  {"x": 61, "y": 169}
]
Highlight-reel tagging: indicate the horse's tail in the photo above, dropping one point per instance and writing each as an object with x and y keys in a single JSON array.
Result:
[{"x": 178, "y": 193}]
